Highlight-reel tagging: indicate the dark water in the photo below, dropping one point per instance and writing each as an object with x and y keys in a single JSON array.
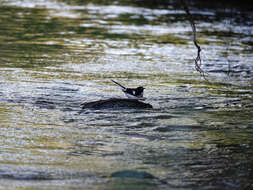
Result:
[{"x": 55, "y": 55}]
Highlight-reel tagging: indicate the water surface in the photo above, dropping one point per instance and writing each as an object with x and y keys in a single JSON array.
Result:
[{"x": 55, "y": 55}]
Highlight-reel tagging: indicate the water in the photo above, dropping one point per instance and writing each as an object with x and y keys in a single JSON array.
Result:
[{"x": 56, "y": 55}]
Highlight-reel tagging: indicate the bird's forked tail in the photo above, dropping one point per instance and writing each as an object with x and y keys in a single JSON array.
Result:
[{"x": 118, "y": 84}]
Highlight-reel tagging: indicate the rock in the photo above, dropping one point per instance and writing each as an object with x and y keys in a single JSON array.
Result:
[
  {"x": 132, "y": 174},
  {"x": 116, "y": 103}
]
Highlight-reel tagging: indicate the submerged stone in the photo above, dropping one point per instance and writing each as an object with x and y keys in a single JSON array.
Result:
[
  {"x": 132, "y": 174},
  {"x": 116, "y": 103}
]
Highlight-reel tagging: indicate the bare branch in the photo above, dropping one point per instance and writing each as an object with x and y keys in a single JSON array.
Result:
[{"x": 197, "y": 60}]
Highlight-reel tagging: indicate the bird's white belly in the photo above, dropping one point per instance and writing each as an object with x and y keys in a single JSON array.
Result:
[{"x": 132, "y": 96}]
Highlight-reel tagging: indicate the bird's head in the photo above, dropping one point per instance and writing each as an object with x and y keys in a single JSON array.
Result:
[{"x": 140, "y": 89}]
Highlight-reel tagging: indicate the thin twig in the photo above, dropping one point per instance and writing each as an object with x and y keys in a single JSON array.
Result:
[{"x": 197, "y": 60}]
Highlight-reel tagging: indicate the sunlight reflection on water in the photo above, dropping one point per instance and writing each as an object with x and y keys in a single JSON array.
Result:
[{"x": 55, "y": 56}]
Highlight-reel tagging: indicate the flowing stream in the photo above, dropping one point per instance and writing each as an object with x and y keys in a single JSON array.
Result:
[{"x": 55, "y": 55}]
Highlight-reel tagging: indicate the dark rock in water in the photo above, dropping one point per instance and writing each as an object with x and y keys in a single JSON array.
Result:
[
  {"x": 132, "y": 174},
  {"x": 45, "y": 104},
  {"x": 116, "y": 103}
]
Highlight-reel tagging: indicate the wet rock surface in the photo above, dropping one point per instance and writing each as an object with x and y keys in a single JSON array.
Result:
[
  {"x": 116, "y": 103},
  {"x": 132, "y": 174}
]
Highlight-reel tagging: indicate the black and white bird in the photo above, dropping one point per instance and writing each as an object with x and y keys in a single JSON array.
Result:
[{"x": 131, "y": 92}]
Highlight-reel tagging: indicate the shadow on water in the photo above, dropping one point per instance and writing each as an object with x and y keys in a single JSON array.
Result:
[{"x": 55, "y": 55}]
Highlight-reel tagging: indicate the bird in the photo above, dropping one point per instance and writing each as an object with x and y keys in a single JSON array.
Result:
[{"x": 131, "y": 92}]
